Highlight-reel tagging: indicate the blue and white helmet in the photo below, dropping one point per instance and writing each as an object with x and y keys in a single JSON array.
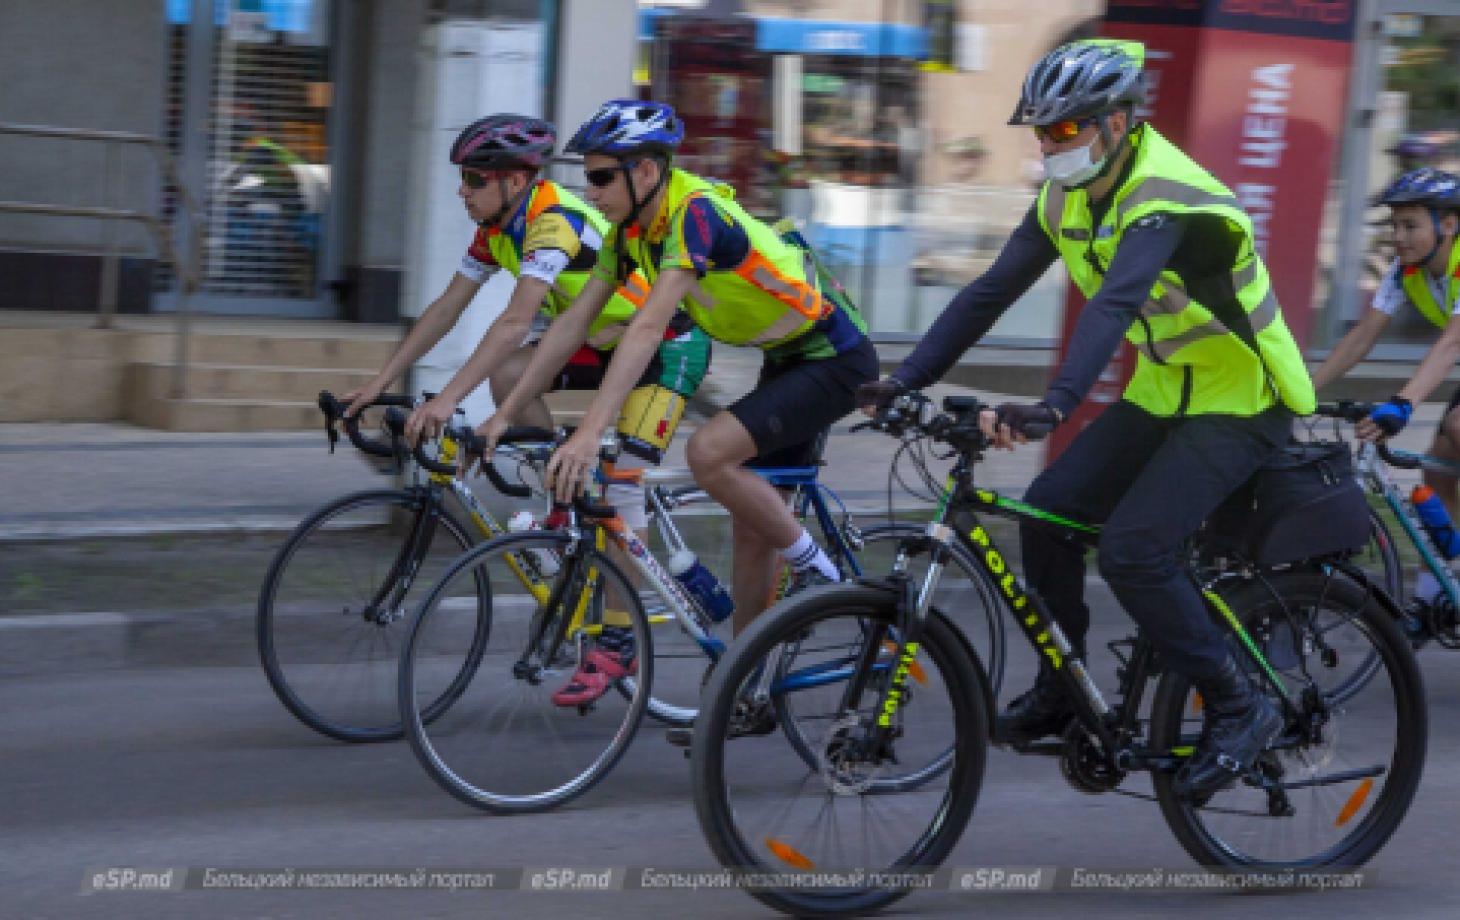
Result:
[
  {"x": 1431, "y": 188},
  {"x": 622, "y": 127}
]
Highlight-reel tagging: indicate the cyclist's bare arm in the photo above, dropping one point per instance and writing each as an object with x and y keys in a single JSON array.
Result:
[
  {"x": 1352, "y": 348},
  {"x": 1437, "y": 363},
  {"x": 504, "y": 337},
  {"x": 566, "y": 335},
  {"x": 429, "y": 329}
]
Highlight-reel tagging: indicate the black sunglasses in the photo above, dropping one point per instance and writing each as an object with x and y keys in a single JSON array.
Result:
[
  {"x": 604, "y": 176},
  {"x": 474, "y": 179}
]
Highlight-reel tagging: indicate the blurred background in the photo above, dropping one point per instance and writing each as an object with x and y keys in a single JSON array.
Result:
[{"x": 189, "y": 172}]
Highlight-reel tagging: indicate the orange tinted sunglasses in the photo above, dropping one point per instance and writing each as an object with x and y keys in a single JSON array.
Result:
[{"x": 1063, "y": 131}]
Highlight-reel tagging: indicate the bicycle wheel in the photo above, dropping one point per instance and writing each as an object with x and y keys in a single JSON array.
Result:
[
  {"x": 330, "y": 610},
  {"x": 1379, "y": 560},
  {"x": 1339, "y": 781},
  {"x": 964, "y": 588},
  {"x": 762, "y": 809},
  {"x": 506, "y": 746}
]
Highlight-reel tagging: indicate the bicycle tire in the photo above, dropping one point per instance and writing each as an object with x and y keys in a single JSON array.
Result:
[
  {"x": 1383, "y": 550},
  {"x": 498, "y": 677},
  {"x": 945, "y": 646},
  {"x": 268, "y": 617},
  {"x": 1298, "y": 590}
]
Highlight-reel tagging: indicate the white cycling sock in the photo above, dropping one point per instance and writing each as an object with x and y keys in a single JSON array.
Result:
[
  {"x": 1427, "y": 587},
  {"x": 804, "y": 554}
]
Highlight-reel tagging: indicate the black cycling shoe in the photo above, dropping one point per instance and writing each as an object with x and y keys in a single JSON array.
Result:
[
  {"x": 1039, "y": 712},
  {"x": 807, "y": 578},
  {"x": 1240, "y": 724},
  {"x": 749, "y": 720}
]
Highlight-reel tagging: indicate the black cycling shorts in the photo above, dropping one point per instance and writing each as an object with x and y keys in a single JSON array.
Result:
[{"x": 796, "y": 402}]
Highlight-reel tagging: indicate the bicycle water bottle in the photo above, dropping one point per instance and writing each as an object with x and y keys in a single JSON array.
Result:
[
  {"x": 523, "y": 521},
  {"x": 701, "y": 584},
  {"x": 1436, "y": 519}
]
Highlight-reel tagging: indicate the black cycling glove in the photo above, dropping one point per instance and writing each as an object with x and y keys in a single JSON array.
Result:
[
  {"x": 1034, "y": 421},
  {"x": 879, "y": 394}
]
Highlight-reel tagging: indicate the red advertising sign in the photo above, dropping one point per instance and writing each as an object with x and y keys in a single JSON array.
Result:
[{"x": 1254, "y": 91}]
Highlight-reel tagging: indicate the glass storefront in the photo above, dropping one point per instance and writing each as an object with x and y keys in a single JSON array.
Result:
[{"x": 268, "y": 155}]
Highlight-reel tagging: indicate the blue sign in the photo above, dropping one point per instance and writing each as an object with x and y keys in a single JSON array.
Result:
[
  {"x": 283, "y": 15},
  {"x": 819, "y": 36}
]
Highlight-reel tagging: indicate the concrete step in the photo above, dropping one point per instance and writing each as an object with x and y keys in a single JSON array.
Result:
[
  {"x": 226, "y": 381},
  {"x": 223, "y": 414},
  {"x": 335, "y": 351},
  {"x": 156, "y": 410}
]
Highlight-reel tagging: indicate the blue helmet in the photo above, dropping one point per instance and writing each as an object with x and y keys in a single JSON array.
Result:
[
  {"x": 1431, "y": 188},
  {"x": 622, "y": 127}
]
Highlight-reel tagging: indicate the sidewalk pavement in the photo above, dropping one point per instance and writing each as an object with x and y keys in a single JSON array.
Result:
[{"x": 71, "y": 481}]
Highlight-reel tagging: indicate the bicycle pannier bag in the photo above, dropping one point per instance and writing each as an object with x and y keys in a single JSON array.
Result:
[{"x": 1304, "y": 502}]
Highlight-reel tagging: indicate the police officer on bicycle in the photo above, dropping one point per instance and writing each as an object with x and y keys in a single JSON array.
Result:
[{"x": 1167, "y": 258}]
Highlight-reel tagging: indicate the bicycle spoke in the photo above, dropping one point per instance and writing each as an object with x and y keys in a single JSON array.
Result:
[{"x": 504, "y": 744}]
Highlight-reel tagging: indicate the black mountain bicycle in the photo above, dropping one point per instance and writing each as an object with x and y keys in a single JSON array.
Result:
[{"x": 1328, "y": 793}]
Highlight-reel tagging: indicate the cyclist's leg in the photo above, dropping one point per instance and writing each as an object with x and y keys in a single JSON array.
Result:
[
  {"x": 1202, "y": 461},
  {"x": 760, "y": 522},
  {"x": 1083, "y": 484},
  {"x": 651, "y": 416},
  {"x": 791, "y": 401}
]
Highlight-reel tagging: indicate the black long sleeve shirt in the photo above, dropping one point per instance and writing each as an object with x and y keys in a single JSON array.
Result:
[{"x": 1146, "y": 247}]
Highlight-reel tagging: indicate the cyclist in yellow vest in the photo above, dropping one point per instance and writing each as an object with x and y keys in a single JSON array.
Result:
[
  {"x": 1425, "y": 214},
  {"x": 1166, "y": 258},
  {"x": 743, "y": 284},
  {"x": 548, "y": 240}
]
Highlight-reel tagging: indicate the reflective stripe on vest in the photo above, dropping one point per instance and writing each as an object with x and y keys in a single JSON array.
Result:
[
  {"x": 1417, "y": 286},
  {"x": 1221, "y": 374},
  {"x": 761, "y": 301}
]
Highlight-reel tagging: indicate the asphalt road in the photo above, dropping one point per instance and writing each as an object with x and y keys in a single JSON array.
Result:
[{"x": 156, "y": 765}]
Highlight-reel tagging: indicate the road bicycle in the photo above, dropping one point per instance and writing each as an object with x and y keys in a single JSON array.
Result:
[
  {"x": 507, "y": 746},
  {"x": 1328, "y": 793}
]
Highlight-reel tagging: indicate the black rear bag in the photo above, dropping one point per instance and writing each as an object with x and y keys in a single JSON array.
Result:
[{"x": 1303, "y": 503}]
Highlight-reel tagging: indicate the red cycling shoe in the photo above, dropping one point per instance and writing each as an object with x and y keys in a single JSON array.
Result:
[{"x": 593, "y": 678}]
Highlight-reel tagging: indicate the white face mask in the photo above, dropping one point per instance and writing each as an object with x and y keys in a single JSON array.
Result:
[{"x": 1073, "y": 168}]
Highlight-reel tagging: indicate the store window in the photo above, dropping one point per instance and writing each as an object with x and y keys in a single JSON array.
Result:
[
  {"x": 268, "y": 155},
  {"x": 861, "y": 120}
]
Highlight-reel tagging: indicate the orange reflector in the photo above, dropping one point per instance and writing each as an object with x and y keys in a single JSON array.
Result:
[
  {"x": 915, "y": 671},
  {"x": 1196, "y": 702},
  {"x": 789, "y": 855},
  {"x": 1355, "y": 802}
]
